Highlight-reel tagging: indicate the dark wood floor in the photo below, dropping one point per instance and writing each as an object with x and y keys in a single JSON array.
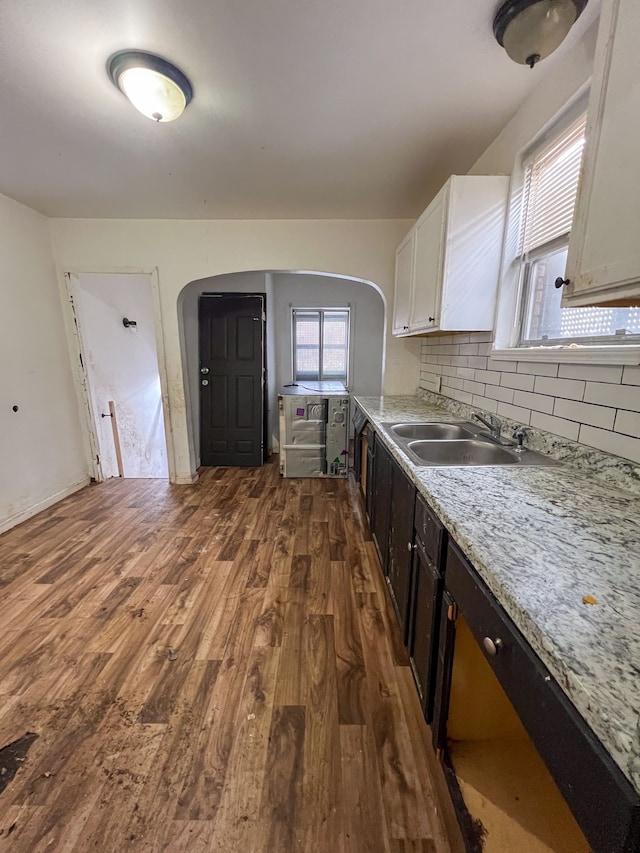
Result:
[{"x": 208, "y": 668}]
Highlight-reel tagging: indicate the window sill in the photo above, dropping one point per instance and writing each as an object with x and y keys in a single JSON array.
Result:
[{"x": 570, "y": 354}]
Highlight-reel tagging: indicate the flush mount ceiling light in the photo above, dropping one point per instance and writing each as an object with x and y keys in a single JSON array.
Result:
[
  {"x": 155, "y": 87},
  {"x": 530, "y": 30}
]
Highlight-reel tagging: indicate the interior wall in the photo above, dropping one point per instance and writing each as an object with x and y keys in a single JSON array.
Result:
[
  {"x": 41, "y": 447},
  {"x": 245, "y": 282},
  {"x": 122, "y": 366},
  {"x": 367, "y": 324},
  {"x": 184, "y": 251},
  {"x": 596, "y": 405}
]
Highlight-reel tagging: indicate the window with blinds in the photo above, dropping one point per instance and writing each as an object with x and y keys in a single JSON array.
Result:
[
  {"x": 551, "y": 185},
  {"x": 321, "y": 344},
  {"x": 551, "y": 177}
]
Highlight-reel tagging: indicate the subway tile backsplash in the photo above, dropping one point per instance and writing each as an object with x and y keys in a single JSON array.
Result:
[{"x": 597, "y": 406}]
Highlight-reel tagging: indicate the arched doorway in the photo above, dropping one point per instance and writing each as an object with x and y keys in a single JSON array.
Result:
[{"x": 284, "y": 291}]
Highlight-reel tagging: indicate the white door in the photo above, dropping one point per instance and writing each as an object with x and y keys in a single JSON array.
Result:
[{"x": 121, "y": 365}]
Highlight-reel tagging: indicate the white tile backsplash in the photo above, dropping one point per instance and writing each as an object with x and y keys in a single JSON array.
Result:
[
  {"x": 628, "y": 423},
  {"x": 594, "y": 372},
  {"x": 620, "y": 396},
  {"x": 557, "y": 426},
  {"x": 596, "y": 405},
  {"x": 611, "y": 442},
  {"x": 520, "y": 381},
  {"x": 585, "y": 413},
  {"x": 631, "y": 375},
  {"x": 569, "y": 389},
  {"x": 536, "y": 402}
]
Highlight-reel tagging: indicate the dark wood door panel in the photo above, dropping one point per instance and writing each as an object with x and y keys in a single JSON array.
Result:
[
  {"x": 403, "y": 495},
  {"x": 231, "y": 386}
]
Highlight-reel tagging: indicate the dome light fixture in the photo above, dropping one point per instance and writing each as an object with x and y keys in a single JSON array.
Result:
[
  {"x": 530, "y": 30},
  {"x": 155, "y": 87}
]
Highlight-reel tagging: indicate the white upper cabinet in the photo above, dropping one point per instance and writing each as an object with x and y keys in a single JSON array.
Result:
[
  {"x": 603, "y": 266},
  {"x": 402, "y": 289},
  {"x": 447, "y": 267}
]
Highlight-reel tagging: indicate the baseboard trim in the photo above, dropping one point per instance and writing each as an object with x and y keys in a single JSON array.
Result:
[
  {"x": 29, "y": 512},
  {"x": 187, "y": 481}
]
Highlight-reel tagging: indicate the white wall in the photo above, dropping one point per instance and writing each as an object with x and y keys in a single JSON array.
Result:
[
  {"x": 187, "y": 250},
  {"x": 41, "y": 446},
  {"x": 595, "y": 405},
  {"x": 122, "y": 366},
  {"x": 367, "y": 327},
  {"x": 553, "y": 91}
]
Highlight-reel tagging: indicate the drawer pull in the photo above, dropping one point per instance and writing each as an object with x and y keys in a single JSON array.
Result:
[
  {"x": 410, "y": 547},
  {"x": 492, "y": 647}
]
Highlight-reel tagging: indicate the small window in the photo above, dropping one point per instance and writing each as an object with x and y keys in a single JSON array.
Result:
[
  {"x": 321, "y": 344},
  {"x": 551, "y": 175}
]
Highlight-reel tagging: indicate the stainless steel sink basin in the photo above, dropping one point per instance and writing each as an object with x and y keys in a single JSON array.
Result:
[
  {"x": 450, "y": 444},
  {"x": 434, "y": 431},
  {"x": 479, "y": 452}
]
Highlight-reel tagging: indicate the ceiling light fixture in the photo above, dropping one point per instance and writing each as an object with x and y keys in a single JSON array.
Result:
[
  {"x": 155, "y": 87},
  {"x": 530, "y": 30}
]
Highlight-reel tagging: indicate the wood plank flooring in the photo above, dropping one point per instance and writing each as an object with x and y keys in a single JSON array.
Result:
[{"x": 214, "y": 667}]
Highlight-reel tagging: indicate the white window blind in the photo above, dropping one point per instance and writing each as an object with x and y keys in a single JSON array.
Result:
[
  {"x": 321, "y": 343},
  {"x": 551, "y": 185}
]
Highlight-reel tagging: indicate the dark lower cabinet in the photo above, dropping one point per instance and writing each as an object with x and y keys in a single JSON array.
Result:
[
  {"x": 424, "y": 626},
  {"x": 368, "y": 492},
  {"x": 502, "y": 719},
  {"x": 403, "y": 497},
  {"x": 499, "y": 720},
  {"x": 381, "y": 502},
  {"x": 426, "y": 595}
]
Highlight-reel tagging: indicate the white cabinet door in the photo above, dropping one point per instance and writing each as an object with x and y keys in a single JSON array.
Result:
[
  {"x": 403, "y": 284},
  {"x": 447, "y": 266},
  {"x": 428, "y": 264},
  {"x": 604, "y": 252}
]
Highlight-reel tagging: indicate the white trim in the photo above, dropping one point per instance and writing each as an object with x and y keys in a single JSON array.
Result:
[
  {"x": 570, "y": 354},
  {"x": 29, "y": 512},
  {"x": 83, "y": 388},
  {"x": 187, "y": 481}
]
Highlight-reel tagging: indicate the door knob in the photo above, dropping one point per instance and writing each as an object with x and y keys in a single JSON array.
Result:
[
  {"x": 204, "y": 370},
  {"x": 205, "y": 382},
  {"x": 492, "y": 647}
]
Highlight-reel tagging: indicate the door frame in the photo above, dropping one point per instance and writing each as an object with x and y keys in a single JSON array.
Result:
[
  {"x": 232, "y": 294},
  {"x": 77, "y": 353}
]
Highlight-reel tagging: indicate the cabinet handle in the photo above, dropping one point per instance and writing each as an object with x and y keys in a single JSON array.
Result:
[
  {"x": 560, "y": 282},
  {"x": 492, "y": 647},
  {"x": 410, "y": 547},
  {"x": 432, "y": 319}
]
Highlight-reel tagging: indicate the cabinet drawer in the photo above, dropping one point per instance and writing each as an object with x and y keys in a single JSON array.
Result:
[
  {"x": 429, "y": 531},
  {"x": 601, "y": 798}
]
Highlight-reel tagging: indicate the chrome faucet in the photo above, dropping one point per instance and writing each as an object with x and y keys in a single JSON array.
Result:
[{"x": 490, "y": 421}]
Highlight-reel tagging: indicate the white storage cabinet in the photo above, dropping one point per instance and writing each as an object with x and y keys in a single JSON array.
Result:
[
  {"x": 448, "y": 265},
  {"x": 603, "y": 267}
]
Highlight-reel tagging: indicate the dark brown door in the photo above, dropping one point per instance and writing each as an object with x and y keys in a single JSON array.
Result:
[{"x": 231, "y": 373}]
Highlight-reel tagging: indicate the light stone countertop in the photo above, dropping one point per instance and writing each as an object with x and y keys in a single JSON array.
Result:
[{"x": 541, "y": 539}]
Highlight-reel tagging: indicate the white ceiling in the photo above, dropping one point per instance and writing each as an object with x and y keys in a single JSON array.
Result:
[{"x": 302, "y": 108}]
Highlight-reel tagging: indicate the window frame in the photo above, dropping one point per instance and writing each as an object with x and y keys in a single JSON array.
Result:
[
  {"x": 512, "y": 303},
  {"x": 346, "y": 309}
]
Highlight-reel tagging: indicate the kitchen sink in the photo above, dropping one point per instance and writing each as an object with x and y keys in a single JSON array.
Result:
[
  {"x": 435, "y": 431},
  {"x": 479, "y": 451},
  {"x": 459, "y": 444}
]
